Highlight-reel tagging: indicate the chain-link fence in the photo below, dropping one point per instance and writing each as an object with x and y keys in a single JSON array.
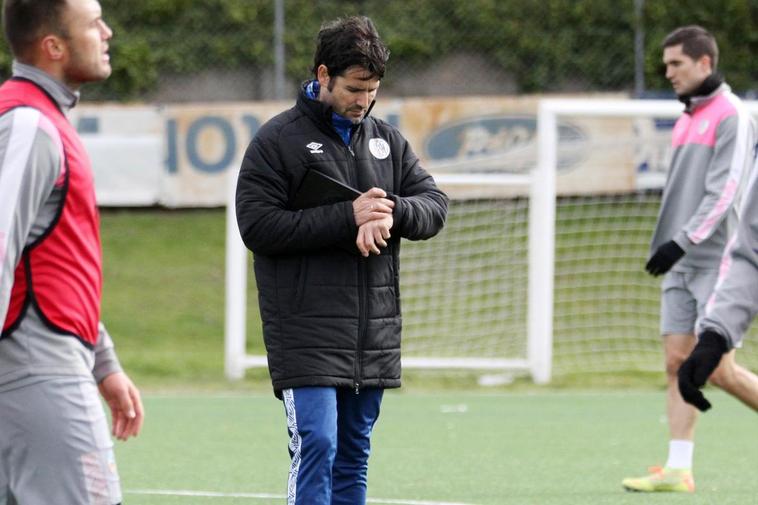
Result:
[{"x": 226, "y": 50}]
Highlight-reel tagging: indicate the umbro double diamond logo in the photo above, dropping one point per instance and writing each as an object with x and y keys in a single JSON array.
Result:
[{"x": 315, "y": 148}]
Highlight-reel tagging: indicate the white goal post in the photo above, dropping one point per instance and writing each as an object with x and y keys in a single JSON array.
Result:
[
  {"x": 535, "y": 356},
  {"x": 538, "y": 361}
]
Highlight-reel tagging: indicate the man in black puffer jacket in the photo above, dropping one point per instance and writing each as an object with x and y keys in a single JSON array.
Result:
[{"x": 328, "y": 276}]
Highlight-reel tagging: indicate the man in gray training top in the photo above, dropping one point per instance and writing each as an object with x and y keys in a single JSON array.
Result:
[
  {"x": 731, "y": 308},
  {"x": 712, "y": 154},
  {"x": 54, "y": 351}
]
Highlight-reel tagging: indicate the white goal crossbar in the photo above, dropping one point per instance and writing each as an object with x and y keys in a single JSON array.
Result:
[{"x": 541, "y": 244}]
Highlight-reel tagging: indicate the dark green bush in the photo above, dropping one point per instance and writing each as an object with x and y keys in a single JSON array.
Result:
[{"x": 548, "y": 45}]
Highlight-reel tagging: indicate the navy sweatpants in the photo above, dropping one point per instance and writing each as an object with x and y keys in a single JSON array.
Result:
[{"x": 330, "y": 441}]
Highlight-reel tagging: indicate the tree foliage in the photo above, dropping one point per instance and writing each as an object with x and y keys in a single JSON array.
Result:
[{"x": 547, "y": 45}]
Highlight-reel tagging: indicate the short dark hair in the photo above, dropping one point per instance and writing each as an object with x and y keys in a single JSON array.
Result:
[
  {"x": 348, "y": 42},
  {"x": 25, "y": 21},
  {"x": 696, "y": 42}
]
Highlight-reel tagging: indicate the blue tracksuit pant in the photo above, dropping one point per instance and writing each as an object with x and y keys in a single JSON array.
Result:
[{"x": 330, "y": 440}]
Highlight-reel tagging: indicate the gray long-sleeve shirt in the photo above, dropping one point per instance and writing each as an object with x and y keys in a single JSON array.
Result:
[
  {"x": 711, "y": 159},
  {"x": 30, "y": 195},
  {"x": 734, "y": 301}
]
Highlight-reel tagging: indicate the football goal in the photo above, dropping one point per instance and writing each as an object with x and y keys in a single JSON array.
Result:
[{"x": 539, "y": 270}]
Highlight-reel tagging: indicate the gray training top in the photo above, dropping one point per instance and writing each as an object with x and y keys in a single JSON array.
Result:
[
  {"x": 29, "y": 199},
  {"x": 712, "y": 144},
  {"x": 734, "y": 301}
]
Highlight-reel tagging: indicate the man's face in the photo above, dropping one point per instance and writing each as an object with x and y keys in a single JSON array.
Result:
[
  {"x": 684, "y": 73},
  {"x": 350, "y": 94},
  {"x": 86, "y": 42}
]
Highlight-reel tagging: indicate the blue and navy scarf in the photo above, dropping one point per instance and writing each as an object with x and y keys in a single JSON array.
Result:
[{"x": 342, "y": 125}]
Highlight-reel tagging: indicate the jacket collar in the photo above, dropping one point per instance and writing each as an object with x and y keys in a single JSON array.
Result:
[
  {"x": 319, "y": 111},
  {"x": 64, "y": 97},
  {"x": 713, "y": 85}
]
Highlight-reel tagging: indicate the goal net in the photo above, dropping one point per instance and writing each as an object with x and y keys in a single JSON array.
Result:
[{"x": 537, "y": 271}]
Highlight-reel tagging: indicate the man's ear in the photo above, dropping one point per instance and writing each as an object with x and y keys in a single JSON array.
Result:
[
  {"x": 53, "y": 47},
  {"x": 322, "y": 74},
  {"x": 706, "y": 63}
]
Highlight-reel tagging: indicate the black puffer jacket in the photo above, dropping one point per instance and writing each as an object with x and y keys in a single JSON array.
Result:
[{"x": 330, "y": 316}]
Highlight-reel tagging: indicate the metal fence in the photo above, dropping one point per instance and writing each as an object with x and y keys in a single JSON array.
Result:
[{"x": 168, "y": 51}]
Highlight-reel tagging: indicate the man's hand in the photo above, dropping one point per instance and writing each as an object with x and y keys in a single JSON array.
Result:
[
  {"x": 373, "y": 204},
  {"x": 701, "y": 363},
  {"x": 374, "y": 234},
  {"x": 664, "y": 258},
  {"x": 125, "y": 403}
]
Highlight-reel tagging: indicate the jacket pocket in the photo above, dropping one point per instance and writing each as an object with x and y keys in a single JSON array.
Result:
[
  {"x": 291, "y": 281},
  {"x": 395, "y": 268},
  {"x": 301, "y": 282}
]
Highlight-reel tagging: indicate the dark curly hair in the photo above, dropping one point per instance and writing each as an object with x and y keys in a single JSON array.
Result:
[{"x": 348, "y": 42}]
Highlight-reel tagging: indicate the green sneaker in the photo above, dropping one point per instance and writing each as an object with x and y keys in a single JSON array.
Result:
[{"x": 662, "y": 480}]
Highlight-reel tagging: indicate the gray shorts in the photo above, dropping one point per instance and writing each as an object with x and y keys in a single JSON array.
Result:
[
  {"x": 683, "y": 299},
  {"x": 56, "y": 445}
]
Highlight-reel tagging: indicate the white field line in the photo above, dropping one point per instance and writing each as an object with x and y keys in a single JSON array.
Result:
[
  {"x": 584, "y": 393},
  {"x": 268, "y": 496}
]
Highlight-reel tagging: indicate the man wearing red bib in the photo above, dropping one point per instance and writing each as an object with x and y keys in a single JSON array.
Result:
[{"x": 54, "y": 351}]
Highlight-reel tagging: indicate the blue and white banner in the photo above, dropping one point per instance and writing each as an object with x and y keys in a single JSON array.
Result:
[{"x": 182, "y": 155}]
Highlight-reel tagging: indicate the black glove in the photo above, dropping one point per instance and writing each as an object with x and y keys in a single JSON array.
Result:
[
  {"x": 701, "y": 363},
  {"x": 664, "y": 258}
]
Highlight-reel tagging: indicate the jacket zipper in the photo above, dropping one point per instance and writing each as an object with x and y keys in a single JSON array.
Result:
[{"x": 362, "y": 285}]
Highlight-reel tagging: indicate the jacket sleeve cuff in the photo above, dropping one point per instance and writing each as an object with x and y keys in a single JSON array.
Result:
[
  {"x": 716, "y": 329},
  {"x": 106, "y": 360},
  {"x": 397, "y": 213},
  {"x": 716, "y": 339},
  {"x": 683, "y": 241}
]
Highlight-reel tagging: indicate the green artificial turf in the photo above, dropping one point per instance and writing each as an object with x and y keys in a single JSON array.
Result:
[{"x": 530, "y": 448}]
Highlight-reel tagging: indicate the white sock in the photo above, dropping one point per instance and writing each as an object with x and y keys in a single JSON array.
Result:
[{"x": 680, "y": 454}]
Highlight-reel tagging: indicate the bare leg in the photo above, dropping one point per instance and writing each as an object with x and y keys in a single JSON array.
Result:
[
  {"x": 681, "y": 415},
  {"x": 737, "y": 380},
  {"x": 676, "y": 474}
]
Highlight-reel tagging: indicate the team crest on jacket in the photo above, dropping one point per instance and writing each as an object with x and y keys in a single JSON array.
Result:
[
  {"x": 703, "y": 126},
  {"x": 315, "y": 148},
  {"x": 379, "y": 148}
]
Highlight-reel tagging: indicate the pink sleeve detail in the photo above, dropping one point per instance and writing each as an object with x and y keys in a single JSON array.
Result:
[
  {"x": 714, "y": 216},
  {"x": 47, "y": 126},
  {"x": 726, "y": 264}
]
